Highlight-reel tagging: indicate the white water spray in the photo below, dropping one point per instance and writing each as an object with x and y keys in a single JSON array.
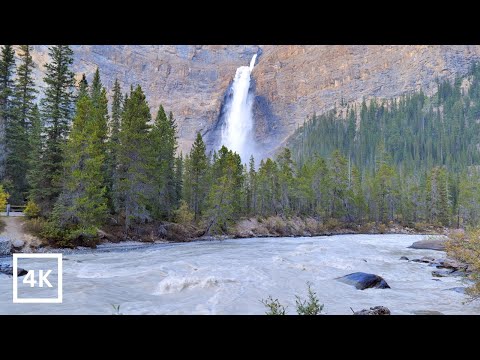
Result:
[{"x": 237, "y": 132}]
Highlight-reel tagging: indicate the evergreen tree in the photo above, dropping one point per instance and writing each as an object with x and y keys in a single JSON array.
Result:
[
  {"x": 7, "y": 70},
  {"x": 112, "y": 145},
  {"x": 82, "y": 87},
  {"x": 196, "y": 171},
  {"x": 164, "y": 143},
  {"x": 82, "y": 205},
  {"x": 135, "y": 159},
  {"x": 57, "y": 111},
  {"x": 34, "y": 158},
  {"x": 19, "y": 126},
  {"x": 225, "y": 193}
]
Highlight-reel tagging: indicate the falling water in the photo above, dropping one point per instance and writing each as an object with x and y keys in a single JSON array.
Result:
[{"x": 237, "y": 131}]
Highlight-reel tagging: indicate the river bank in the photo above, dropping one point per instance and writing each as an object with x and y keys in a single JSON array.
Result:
[{"x": 23, "y": 239}]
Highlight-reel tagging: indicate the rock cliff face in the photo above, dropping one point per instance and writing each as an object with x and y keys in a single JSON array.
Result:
[{"x": 290, "y": 81}]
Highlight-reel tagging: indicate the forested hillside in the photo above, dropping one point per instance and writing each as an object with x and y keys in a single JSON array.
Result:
[{"x": 83, "y": 161}]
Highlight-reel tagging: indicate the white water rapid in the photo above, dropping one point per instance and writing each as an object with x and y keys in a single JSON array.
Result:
[
  {"x": 232, "y": 276},
  {"x": 237, "y": 131}
]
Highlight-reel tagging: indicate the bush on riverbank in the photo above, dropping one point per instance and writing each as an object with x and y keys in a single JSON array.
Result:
[
  {"x": 465, "y": 246},
  {"x": 309, "y": 306}
]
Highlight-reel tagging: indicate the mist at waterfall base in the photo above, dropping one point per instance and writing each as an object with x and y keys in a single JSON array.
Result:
[{"x": 237, "y": 130}]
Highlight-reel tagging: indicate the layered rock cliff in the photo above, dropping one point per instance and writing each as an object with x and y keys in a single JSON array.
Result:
[{"x": 290, "y": 81}]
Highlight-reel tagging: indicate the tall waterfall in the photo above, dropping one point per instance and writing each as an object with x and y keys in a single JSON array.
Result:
[{"x": 237, "y": 130}]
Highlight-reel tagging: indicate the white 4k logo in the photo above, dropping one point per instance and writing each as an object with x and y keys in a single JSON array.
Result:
[{"x": 42, "y": 278}]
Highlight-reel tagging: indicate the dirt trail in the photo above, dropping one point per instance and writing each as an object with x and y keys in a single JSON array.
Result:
[{"x": 14, "y": 231}]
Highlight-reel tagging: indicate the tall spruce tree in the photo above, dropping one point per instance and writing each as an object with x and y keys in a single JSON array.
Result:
[
  {"x": 164, "y": 142},
  {"x": 135, "y": 161},
  {"x": 57, "y": 111},
  {"x": 112, "y": 145},
  {"x": 196, "y": 169},
  {"x": 7, "y": 71},
  {"x": 20, "y": 125},
  {"x": 82, "y": 205},
  {"x": 34, "y": 158}
]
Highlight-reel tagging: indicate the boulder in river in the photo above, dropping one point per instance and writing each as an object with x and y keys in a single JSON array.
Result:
[
  {"x": 458, "y": 289},
  {"x": 377, "y": 310},
  {"x": 430, "y": 244},
  {"x": 441, "y": 273},
  {"x": 18, "y": 243},
  {"x": 425, "y": 259},
  {"x": 364, "y": 281},
  {"x": 8, "y": 270},
  {"x": 403, "y": 258}
]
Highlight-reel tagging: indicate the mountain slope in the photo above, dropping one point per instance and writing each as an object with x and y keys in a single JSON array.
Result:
[{"x": 291, "y": 81}]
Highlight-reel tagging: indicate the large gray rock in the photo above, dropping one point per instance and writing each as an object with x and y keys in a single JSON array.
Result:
[
  {"x": 364, "y": 281},
  {"x": 5, "y": 246},
  {"x": 377, "y": 310},
  {"x": 429, "y": 244},
  {"x": 8, "y": 270},
  {"x": 18, "y": 243}
]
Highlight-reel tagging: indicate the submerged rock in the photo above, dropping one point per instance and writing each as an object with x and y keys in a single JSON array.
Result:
[
  {"x": 8, "y": 270},
  {"x": 429, "y": 244},
  {"x": 441, "y": 273},
  {"x": 377, "y": 310},
  {"x": 425, "y": 259},
  {"x": 404, "y": 258},
  {"x": 458, "y": 289},
  {"x": 364, "y": 281}
]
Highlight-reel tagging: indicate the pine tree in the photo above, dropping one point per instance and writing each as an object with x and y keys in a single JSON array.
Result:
[
  {"x": 164, "y": 142},
  {"x": 57, "y": 111},
  {"x": 224, "y": 201},
  {"x": 178, "y": 181},
  {"x": 20, "y": 124},
  {"x": 196, "y": 169},
  {"x": 34, "y": 158},
  {"x": 112, "y": 145},
  {"x": 82, "y": 87},
  {"x": 135, "y": 158},
  {"x": 82, "y": 205},
  {"x": 7, "y": 70}
]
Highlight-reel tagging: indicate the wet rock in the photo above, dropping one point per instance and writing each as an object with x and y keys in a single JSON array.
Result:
[
  {"x": 377, "y": 310},
  {"x": 436, "y": 280},
  {"x": 430, "y": 244},
  {"x": 451, "y": 264},
  {"x": 427, "y": 312},
  {"x": 18, "y": 243},
  {"x": 441, "y": 273},
  {"x": 458, "y": 289},
  {"x": 425, "y": 259},
  {"x": 5, "y": 246},
  {"x": 364, "y": 281},
  {"x": 8, "y": 270},
  {"x": 404, "y": 258}
]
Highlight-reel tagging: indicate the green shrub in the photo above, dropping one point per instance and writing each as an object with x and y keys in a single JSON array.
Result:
[
  {"x": 274, "y": 307},
  {"x": 32, "y": 210},
  {"x": 183, "y": 215},
  {"x": 311, "y": 306},
  {"x": 332, "y": 224},
  {"x": 35, "y": 226}
]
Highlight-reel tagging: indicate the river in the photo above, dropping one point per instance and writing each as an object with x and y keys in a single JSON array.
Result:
[{"x": 232, "y": 276}]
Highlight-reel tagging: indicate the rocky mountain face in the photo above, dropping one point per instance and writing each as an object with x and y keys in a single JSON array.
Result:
[{"x": 291, "y": 82}]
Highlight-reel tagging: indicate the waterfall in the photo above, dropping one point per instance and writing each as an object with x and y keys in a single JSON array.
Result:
[{"x": 238, "y": 126}]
